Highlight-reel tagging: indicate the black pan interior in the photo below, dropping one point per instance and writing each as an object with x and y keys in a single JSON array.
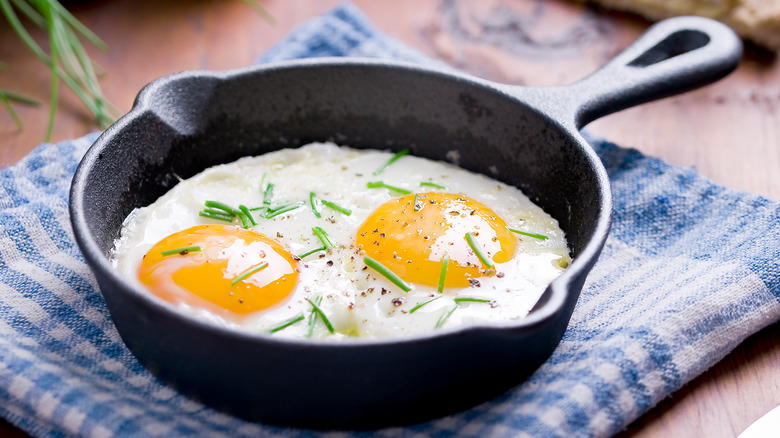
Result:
[{"x": 205, "y": 120}]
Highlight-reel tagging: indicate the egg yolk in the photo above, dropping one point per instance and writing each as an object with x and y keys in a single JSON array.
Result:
[
  {"x": 413, "y": 240},
  {"x": 233, "y": 272}
]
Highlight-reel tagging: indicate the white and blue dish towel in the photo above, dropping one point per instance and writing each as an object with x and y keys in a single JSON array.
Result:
[{"x": 689, "y": 271}]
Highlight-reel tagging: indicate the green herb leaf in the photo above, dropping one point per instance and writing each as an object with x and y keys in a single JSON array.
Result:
[
  {"x": 217, "y": 216},
  {"x": 268, "y": 194},
  {"x": 287, "y": 323},
  {"x": 470, "y": 300},
  {"x": 323, "y": 236},
  {"x": 392, "y": 160},
  {"x": 315, "y": 207},
  {"x": 249, "y": 272},
  {"x": 434, "y": 185},
  {"x": 313, "y": 316},
  {"x": 443, "y": 273},
  {"x": 472, "y": 241},
  {"x": 445, "y": 317},
  {"x": 325, "y": 319},
  {"x": 338, "y": 208},
  {"x": 417, "y": 207},
  {"x": 414, "y": 309},
  {"x": 382, "y": 185},
  {"x": 280, "y": 210},
  {"x": 308, "y": 253},
  {"x": 524, "y": 233},
  {"x": 224, "y": 207},
  {"x": 248, "y": 214},
  {"x": 181, "y": 251},
  {"x": 387, "y": 273}
]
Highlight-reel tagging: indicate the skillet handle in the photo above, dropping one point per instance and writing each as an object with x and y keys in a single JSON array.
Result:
[{"x": 673, "y": 56}]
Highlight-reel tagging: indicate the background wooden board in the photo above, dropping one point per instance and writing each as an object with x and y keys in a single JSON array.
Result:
[{"x": 728, "y": 131}]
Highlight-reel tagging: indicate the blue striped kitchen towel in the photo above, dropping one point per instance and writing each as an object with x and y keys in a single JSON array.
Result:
[{"x": 689, "y": 271}]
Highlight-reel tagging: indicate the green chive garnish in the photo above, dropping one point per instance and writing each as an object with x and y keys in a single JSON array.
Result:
[
  {"x": 336, "y": 207},
  {"x": 181, "y": 251},
  {"x": 262, "y": 181},
  {"x": 382, "y": 185},
  {"x": 319, "y": 311},
  {"x": 314, "y": 205},
  {"x": 248, "y": 214},
  {"x": 470, "y": 300},
  {"x": 417, "y": 206},
  {"x": 323, "y": 236},
  {"x": 313, "y": 316},
  {"x": 390, "y": 275},
  {"x": 287, "y": 323},
  {"x": 391, "y": 161},
  {"x": 472, "y": 241},
  {"x": 534, "y": 235},
  {"x": 268, "y": 194},
  {"x": 414, "y": 309},
  {"x": 217, "y": 216},
  {"x": 222, "y": 206},
  {"x": 306, "y": 254},
  {"x": 244, "y": 219},
  {"x": 445, "y": 317},
  {"x": 218, "y": 212},
  {"x": 248, "y": 272},
  {"x": 443, "y": 273},
  {"x": 280, "y": 210},
  {"x": 430, "y": 184}
]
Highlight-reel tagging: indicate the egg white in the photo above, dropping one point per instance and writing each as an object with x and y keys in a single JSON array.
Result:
[{"x": 358, "y": 301}]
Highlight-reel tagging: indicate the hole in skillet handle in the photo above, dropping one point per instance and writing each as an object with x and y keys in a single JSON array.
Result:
[{"x": 675, "y": 44}]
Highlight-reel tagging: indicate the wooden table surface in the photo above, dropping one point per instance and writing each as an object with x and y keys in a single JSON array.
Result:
[{"x": 729, "y": 131}]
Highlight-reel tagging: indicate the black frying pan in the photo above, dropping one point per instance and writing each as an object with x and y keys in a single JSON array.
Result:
[{"x": 526, "y": 137}]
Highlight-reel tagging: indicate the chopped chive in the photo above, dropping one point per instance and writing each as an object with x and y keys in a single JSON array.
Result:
[
  {"x": 446, "y": 316},
  {"x": 430, "y": 184},
  {"x": 323, "y": 236},
  {"x": 258, "y": 208},
  {"x": 390, "y": 275},
  {"x": 319, "y": 311},
  {"x": 280, "y": 210},
  {"x": 285, "y": 324},
  {"x": 414, "y": 309},
  {"x": 268, "y": 194},
  {"x": 313, "y": 316},
  {"x": 534, "y": 235},
  {"x": 392, "y": 160},
  {"x": 472, "y": 241},
  {"x": 211, "y": 215},
  {"x": 248, "y": 272},
  {"x": 262, "y": 182},
  {"x": 244, "y": 219},
  {"x": 336, "y": 207},
  {"x": 222, "y": 206},
  {"x": 181, "y": 251},
  {"x": 248, "y": 214},
  {"x": 443, "y": 273},
  {"x": 382, "y": 185},
  {"x": 314, "y": 205},
  {"x": 308, "y": 253},
  {"x": 217, "y": 211},
  {"x": 417, "y": 206},
  {"x": 470, "y": 300}
]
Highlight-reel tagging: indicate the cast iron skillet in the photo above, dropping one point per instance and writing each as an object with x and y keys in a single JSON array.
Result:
[{"x": 526, "y": 137}]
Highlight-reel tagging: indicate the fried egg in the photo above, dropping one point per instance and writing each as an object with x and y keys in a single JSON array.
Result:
[{"x": 330, "y": 242}]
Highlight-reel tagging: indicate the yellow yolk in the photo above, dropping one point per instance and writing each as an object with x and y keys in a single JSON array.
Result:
[
  {"x": 413, "y": 243},
  {"x": 209, "y": 278}
]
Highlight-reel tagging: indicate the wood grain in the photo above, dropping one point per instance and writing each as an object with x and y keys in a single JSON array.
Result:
[{"x": 729, "y": 131}]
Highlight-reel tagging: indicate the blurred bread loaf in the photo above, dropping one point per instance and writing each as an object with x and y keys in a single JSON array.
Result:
[{"x": 754, "y": 20}]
